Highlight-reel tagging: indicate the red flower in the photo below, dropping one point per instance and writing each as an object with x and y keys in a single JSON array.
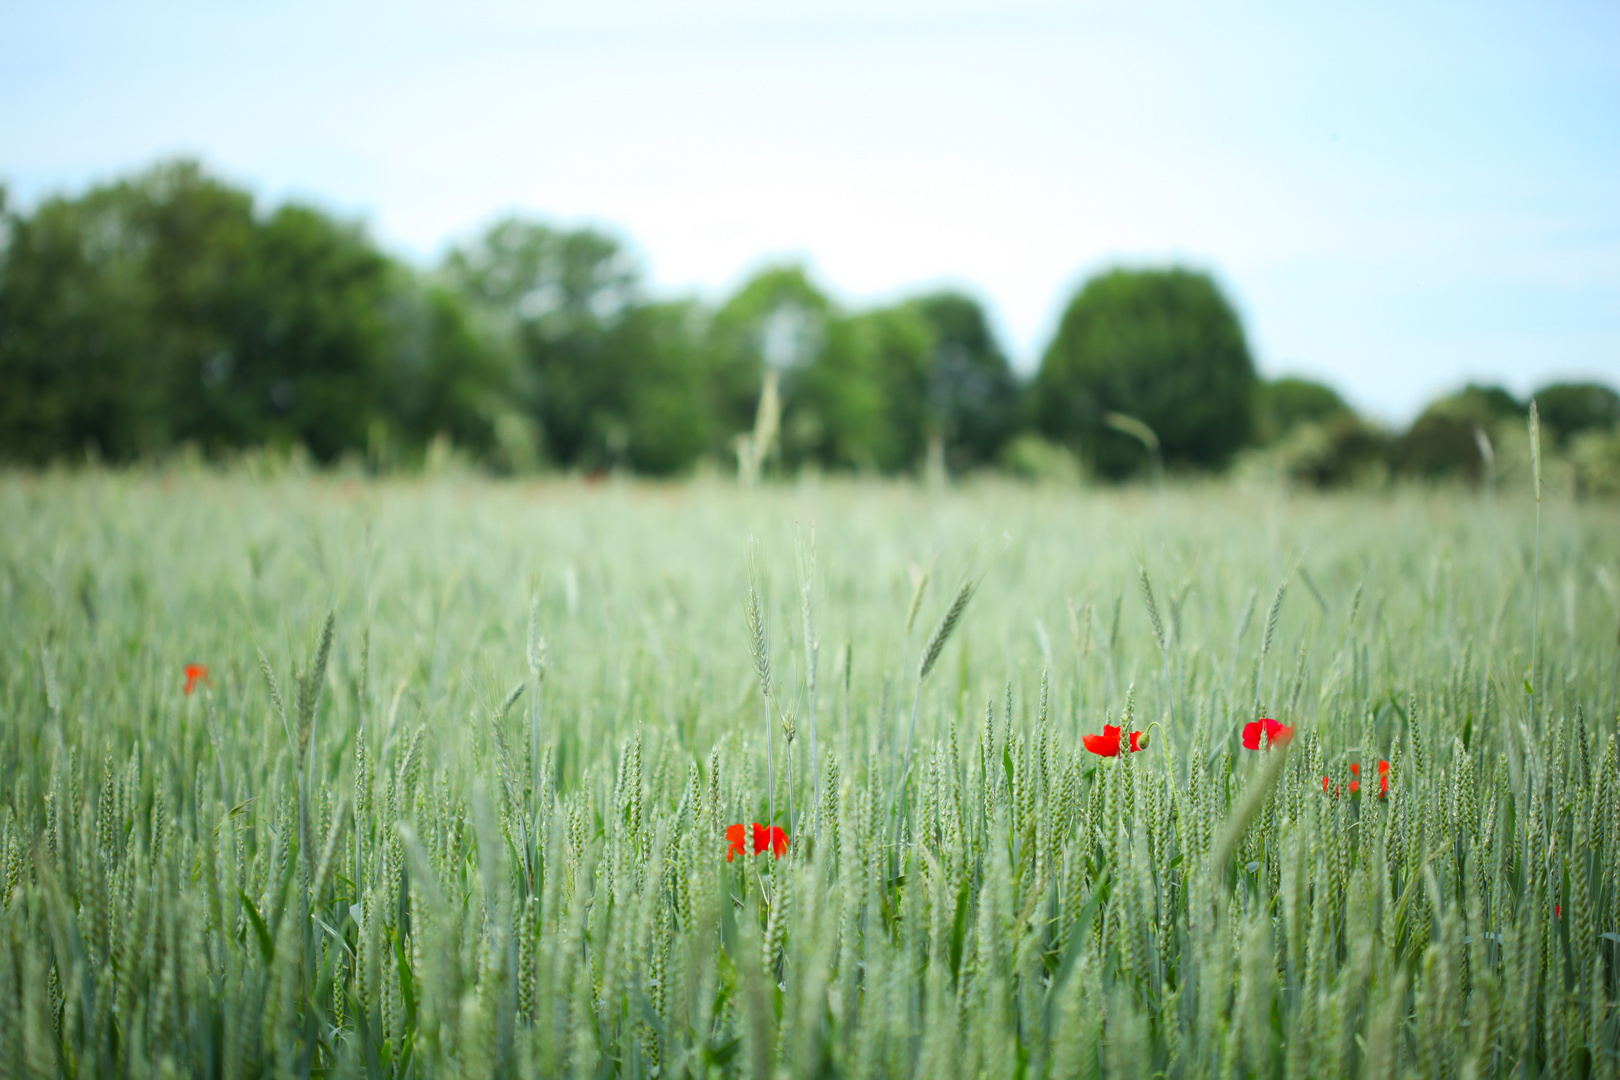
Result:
[
  {"x": 1276, "y": 734},
  {"x": 1355, "y": 770},
  {"x": 1383, "y": 779},
  {"x": 772, "y": 839},
  {"x": 1558, "y": 911},
  {"x": 1107, "y": 744},
  {"x": 739, "y": 841},
  {"x": 1104, "y": 745},
  {"x": 195, "y": 673},
  {"x": 1325, "y": 782}
]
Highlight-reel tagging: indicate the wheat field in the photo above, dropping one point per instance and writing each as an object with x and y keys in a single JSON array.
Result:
[{"x": 306, "y": 776}]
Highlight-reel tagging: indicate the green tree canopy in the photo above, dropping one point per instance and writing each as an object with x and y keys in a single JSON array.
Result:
[
  {"x": 862, "y": 402},
  {"x": 1444, "y": 441},
  {"x": 162, "y": 309},
  {"x": 1283, "y": 404},
  {"x": 561, "y": 295},
  {"x": 611, "y": 379},
  {"x": 777, "y": 319},
  {"x": 971, "y": 395},
  {"x": 1161, "y": 346},
  {"x": 1567, "y": 409},
  {"x": 115, "y": 304}
]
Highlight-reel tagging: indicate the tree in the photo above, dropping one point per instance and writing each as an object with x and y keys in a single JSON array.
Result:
[
  {"x": 311, "y": 344},
  {"x": 1283, "y": 404},
  {"x": 971, "y": 397},
  {"x": 561, "y": 295},
  {"x": 447, "y": 377},
  {"x": 110, "y": 311},
  {"x": 1568, "y": 409},
  {"x": 611, "y": 379},
  {"x": 162, "y": 309},
  {"x": 777, "y": 320},
  {"x": 668, "y": 421},
  {"x": 862, "y": 403},
  {"x": 1161, "y": 346},
  {"x": 1444, "y": 441}
]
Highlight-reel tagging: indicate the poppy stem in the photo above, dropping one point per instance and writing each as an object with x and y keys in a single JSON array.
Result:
[
  {"x": 770, "y": 764},
  {"x": 1149, "y": 731}
]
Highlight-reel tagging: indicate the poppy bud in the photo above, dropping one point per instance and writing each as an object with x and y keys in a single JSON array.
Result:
[{"x": 1141, "y": 740}]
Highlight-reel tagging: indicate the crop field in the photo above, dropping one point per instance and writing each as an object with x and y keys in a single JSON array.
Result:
[{"x": 305, "y": 776}]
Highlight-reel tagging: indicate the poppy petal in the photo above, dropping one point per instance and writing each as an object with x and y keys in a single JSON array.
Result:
[
  {"x": 1103, "y": 745},
  {"x": 739, "y": 841},
  {"x": 1251, "y": 735}
]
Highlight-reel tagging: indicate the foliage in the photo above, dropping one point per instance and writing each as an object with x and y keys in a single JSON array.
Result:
[
  {"x": 1595, "y": 461},
  {"x": 162, "y": 310},
  {"x": 1445, "y": 440},
  {"x": 861, "y": 402},
  {"x": 1340, "y": 450},
  {"x": 565, "y": 297},
  {"x": 777, "y": 319},
  {"x": 167, "y": 312},
  {"x": 1160, "y": 346},
  {"x": 972, "y": 398},
  {"x": 1571, "y": 409},
  {"x": 473, "y": 823},
  {"x": 1283, "y": 404},
  {"x": 1030, "y": 457}
]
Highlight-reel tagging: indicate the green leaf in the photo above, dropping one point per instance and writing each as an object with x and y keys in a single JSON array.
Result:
[
  {"x": 267, "y": 944},
  {"x": 407, "y": 984}
]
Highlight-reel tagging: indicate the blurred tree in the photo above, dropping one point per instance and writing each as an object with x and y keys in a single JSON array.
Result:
[
  {"x": 310, "y": 346},
  {"x": 160, "y": 309},
  {"x": 971, "y": 397},
  {"x": 667, "y": 415},
  {"x": 863, "y": 402},
  {"x": 612, "y": 380},
  {"x": 1161, "y": 346},
  {"x": 448, "y": 377},
  {"x": 1445, "y": 440},
  {"x": 1341, "y": 449},
  {"x": 777, "y": 320},
  {"x": 110, "y": 310},
  {"x": 1282, "y": 404},
  {"x": 562, "y": 295},
  {"x": 1568, "y": 409}
]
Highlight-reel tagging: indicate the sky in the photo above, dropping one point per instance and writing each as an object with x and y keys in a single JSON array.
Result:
[{"x": 1398, "y": 198}]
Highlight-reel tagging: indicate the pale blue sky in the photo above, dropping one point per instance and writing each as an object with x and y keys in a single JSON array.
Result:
[{"x": 1398, "y": 197}]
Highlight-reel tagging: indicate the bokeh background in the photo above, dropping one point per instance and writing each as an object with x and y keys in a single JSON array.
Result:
[{"x": 1335, "y": 245}]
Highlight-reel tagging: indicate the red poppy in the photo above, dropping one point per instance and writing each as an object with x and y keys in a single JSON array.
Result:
[
  {"x": 739, "y": 841},
  {"x": 1107, "y": 744},
  {"x": 1383, "y": 779},
  {"x": 1276, "y": 734},
  {"x": 1355, "y": 771},
  {"x": 1558, "y": 911},
  {"x": 773, "y": 840},
  {"x": 195, "y": 673},
  {"x": 1325, "y": 782}
]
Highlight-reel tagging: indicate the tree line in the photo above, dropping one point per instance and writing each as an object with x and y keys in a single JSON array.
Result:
[{"x": 167, "y": 309}]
